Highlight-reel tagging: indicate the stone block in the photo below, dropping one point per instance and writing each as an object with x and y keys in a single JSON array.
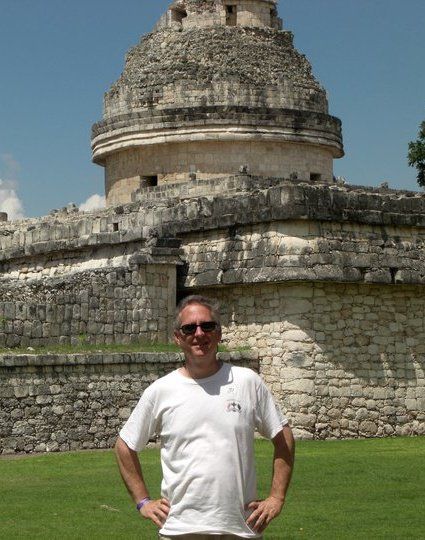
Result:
[
  {"x": 412, "y": 404},
  {"x": 10, "y": 445},
  {"x": 304, "y": 386},
  {"x": 43, "y": 400},
  {"x": 21, "y": 391},
  {"x": 305, "y": 421},
  {"x": 295, "y": 335},
  {"x": 367, "y": 428}
]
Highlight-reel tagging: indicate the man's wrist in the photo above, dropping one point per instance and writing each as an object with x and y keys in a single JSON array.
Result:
[
  {"x": 142, "y": 503},
  {"x": 280, "y": 498}
]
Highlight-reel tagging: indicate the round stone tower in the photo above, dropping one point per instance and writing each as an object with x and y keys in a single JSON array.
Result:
[{"x": 217, "y": 85}]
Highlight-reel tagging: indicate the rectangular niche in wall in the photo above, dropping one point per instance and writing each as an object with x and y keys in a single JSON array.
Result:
[
  {"x": 178, "y": 14},
  {"x": 274, "y": 21},
  {"x": 148, "y": 181},
  {"x": 315, "y": 177},
  {"x": 231, "y": 15}
]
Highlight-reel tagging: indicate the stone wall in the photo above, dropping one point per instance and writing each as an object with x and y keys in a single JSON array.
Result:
[
  {"x": 147, "y": 225},
  {"x": 199, "y": 14},
  {"x": 111, "y": 305},
  {"x": 300, "y": 250},
  {"x": 68, "y": 278},
  {"x": 196, "y": 187},
  {"x": 325, "y": 282},
  {"x": 126, "y": 171},
  {"x": 73, "y": 402},
  {"x": 343, "y": 360}
]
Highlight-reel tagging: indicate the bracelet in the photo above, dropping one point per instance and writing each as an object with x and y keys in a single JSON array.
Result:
[{"x": 142, "y": 503}]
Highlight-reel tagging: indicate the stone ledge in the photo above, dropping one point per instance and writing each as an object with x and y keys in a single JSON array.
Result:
[
  {"x": 10, "y": 361},
  {"x": 163, "y": 254},
  {"x": 317, "y": 273},
  {"x": 302, "y": 201},
  {"x": 222, "y": 114},
  {"x": 175, "y": 212}
]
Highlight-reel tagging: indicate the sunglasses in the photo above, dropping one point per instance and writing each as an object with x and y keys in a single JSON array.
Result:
[{"x": 189, "y": 329}]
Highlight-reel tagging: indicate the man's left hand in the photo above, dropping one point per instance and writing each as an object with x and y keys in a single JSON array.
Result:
[{"x": 263, "y": 512}]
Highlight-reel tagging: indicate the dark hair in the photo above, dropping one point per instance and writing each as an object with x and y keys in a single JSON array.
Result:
[{"x": 209, "y": 303}]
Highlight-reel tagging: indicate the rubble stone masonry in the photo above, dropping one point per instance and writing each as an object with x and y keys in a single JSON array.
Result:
[
  {"x": 98, "y": 307},
  {"x": 72, "y": 402},
  {"x": 214, "y": 87},
  {"x": 218, "y": 150},
  {"x": 323, "y": 283},
  {"x": 343, "y": 360}
]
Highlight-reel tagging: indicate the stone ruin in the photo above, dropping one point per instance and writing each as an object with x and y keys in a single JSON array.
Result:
[
  {"x": 218, "y": 147},
  {"x": 204, "y": 97}
]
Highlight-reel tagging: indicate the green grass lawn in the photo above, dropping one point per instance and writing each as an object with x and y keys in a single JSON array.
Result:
[
  {"x": 84, "y": 347},
  {"x": 362, "y": 489}
]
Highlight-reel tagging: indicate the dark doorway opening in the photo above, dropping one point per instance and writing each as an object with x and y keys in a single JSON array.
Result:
[
  {"x": 231, "y": 15},
  {"x": 315, "y": 177},
  {"x": 149, "y": 181},
  {"x": 178, "y": 14}
]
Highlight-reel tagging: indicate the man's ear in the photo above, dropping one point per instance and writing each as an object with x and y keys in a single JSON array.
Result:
[{"x": 177, "y": 338}]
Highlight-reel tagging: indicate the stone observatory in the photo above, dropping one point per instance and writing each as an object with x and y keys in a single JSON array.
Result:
[
  {"x": 218, "y": 137},
  {"x": 216, "y": 87}
]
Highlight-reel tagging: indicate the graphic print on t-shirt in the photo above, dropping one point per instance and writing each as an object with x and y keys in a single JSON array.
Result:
[{"x": 233, "y": 405}]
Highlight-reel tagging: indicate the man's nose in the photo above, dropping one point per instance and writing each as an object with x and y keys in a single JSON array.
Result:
[{"x": 199, "y": 331}]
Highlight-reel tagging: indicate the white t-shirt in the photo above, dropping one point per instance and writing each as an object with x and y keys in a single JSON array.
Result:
[{"x": 206, "y": 428}]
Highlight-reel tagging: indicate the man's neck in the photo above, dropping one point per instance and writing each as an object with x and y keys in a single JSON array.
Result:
[{"x": 198, "y": 369}]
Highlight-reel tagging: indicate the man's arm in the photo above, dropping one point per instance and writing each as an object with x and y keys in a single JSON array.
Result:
[
  {"x": 283, "y": 462},
  {"x": 131, "y": 473}
]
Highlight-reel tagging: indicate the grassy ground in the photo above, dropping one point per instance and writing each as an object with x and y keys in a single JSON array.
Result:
[
  {"x": 85, "y": 347},
  {"x": 366, "y": 489}
]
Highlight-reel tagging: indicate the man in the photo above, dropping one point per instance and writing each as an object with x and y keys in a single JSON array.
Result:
[{"x": 206, "y": 413}]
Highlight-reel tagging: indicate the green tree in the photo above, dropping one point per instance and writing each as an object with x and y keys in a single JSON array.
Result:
[{"x": 416, "y": 155}]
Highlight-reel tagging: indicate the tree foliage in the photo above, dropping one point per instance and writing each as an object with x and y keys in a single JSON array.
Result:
[{"x": 416, "y": 155}]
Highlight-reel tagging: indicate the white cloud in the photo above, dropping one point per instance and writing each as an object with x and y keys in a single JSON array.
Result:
[
  {"x": 95, "y": 202},
  {"x": 9, "y": 200},
  {"x": 12, "y": 166}
]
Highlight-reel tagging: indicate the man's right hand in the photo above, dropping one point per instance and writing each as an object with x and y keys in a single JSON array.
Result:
[{"x": 156, "y": 511}]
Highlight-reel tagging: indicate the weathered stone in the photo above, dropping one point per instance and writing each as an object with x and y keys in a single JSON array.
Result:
[
  {"x": 93, "y": 395},
  {"x": 21, "y": 391},
  {"x": 43, "y": 400},
  {"x": 325, "y": 281},
  {"x": 304, "y": 386},
  {"x": 368, "y": 428}
]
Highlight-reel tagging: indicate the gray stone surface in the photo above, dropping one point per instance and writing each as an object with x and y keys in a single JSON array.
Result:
[
  {"x": 324, "y": 281},
  {"x": 111, "y": 273},
  {"x": 72, "y": 402},
  {"x": 205, "y": 82},
  {"x": 263, "y": 63},
  {"x": 97, "y": 306}
]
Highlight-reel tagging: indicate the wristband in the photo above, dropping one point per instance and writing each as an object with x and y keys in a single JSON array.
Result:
[{"x": 142, "y": 503}]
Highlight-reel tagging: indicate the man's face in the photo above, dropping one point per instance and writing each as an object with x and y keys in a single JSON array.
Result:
[{"x": 200, "y": 345}]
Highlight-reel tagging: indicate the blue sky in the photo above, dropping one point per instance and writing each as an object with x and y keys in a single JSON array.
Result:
[{"x": 58, "y": 58}]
